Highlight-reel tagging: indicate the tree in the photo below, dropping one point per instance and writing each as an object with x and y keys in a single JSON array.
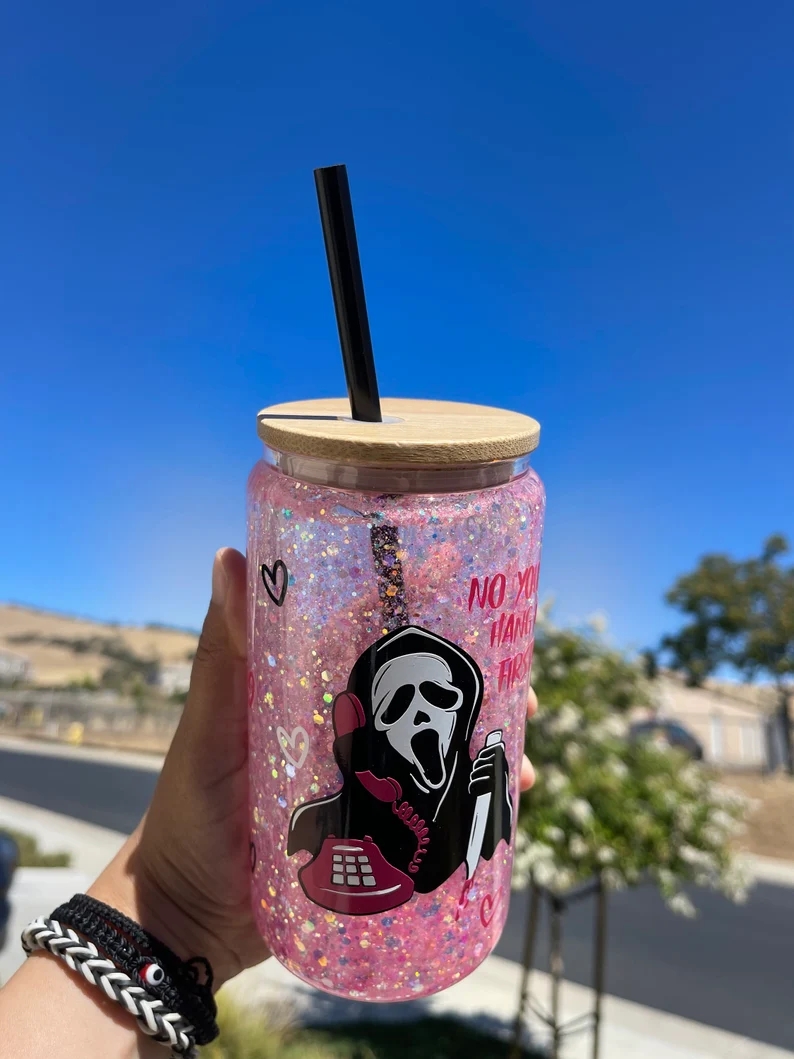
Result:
[
  {"x": 605, "y": 804},
  {"x": 741, "y": 614},
  {"x": 607, "y": 809}
]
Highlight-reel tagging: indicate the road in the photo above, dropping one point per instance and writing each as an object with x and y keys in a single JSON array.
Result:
[{"x": 731, "y": 968}]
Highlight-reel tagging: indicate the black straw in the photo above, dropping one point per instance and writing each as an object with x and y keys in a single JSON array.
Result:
[{"x": 341, "y": 248}]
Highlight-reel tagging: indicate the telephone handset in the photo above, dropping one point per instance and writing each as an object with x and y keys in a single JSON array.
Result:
[{"x": 352, "y": 877}]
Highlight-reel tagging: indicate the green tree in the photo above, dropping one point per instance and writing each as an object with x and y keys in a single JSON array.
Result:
[
  {"x": 605, "y": 804},
  {"x": 740, "y": 613}
]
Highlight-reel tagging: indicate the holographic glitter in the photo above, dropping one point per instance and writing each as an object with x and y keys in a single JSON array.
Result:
[
  {"x": 385, "y": 542},
  {"x": 461, "y": 565}
]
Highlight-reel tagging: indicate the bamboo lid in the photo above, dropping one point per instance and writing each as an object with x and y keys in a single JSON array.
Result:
[{"x": 413, "y": 432}]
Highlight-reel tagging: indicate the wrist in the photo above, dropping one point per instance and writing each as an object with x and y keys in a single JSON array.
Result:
[
  {"x": 46, "y": 1009},
  {"x": 129, "y": 885}
]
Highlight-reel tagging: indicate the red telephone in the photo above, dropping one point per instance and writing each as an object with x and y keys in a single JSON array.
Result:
[{"x": 351, "y": 876}]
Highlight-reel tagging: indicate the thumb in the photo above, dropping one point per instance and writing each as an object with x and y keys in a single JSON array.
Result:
[
  {"x": 224, "y": 625},
  {"x": 216, "y": 699}
]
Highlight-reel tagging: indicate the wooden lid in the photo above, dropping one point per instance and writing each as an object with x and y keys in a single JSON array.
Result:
[{"x": 420, "y": 432}]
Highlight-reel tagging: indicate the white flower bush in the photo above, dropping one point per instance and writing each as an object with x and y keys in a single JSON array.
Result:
[
  {"x": 578, "y": 848},
  {"x": 580, "y": 811},
  {"x": 682, "y": 906},
  {"x": 605, "y": 804}
]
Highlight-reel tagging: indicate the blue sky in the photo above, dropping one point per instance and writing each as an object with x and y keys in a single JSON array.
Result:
[{"x": 579, "y": 211}]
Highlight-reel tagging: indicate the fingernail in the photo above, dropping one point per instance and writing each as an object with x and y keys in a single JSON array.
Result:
[{"x": 219, "y": 581}]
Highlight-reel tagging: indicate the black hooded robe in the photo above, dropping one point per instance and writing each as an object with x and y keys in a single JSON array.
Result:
[{"x": 369, "y": 806}]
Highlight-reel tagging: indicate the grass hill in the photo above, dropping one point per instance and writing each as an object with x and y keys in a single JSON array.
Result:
[{"x": 63, "y": 650}]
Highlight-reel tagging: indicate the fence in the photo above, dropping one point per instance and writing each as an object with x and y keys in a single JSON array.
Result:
[
  {"x": 746, "y": 740},
  {"x": 101, "y": 718}
]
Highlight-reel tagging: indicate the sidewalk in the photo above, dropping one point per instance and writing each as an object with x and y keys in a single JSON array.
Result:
[
  {"x": 36, "y": 891},
  {"x": 488, "y": 997}
]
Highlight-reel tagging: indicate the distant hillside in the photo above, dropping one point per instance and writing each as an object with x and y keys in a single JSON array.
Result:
[{"x": 62, "y": 649}]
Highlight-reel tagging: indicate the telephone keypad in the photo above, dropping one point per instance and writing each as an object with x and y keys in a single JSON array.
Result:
[{"x": 358, "y": 871}]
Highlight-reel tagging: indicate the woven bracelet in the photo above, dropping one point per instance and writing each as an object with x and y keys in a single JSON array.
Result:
[
  {"x": 166, "y": 995},
  {"x": 166, "y": 1027}
]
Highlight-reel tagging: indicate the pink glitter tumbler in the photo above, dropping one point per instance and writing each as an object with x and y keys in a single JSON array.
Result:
[
  {"x": 393, "y": 558},
  {"x": 392, "y": 610}
]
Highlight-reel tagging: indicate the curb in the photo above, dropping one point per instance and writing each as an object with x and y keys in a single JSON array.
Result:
[
  {"x": 770, "y": 869},
  {"x": 106, "y": 756}
]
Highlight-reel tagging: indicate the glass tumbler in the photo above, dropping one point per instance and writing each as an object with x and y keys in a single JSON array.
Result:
[{"x": 393, "y": 579}]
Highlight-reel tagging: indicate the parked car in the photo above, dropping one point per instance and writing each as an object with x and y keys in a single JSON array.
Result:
[
  {"x": 9, "y": 858},
  {"x": 670, "y": 733}
]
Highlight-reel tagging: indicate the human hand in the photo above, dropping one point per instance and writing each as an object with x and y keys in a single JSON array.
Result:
[
  {"x": 490, "y": 766},
  {"x": 184, "y": 874},
  {"x": 527, "y": 774}
]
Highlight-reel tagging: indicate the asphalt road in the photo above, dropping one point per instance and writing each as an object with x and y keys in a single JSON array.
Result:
[
  {"x": 731, "y": 968},
  {"x": 109, "y": 795}
]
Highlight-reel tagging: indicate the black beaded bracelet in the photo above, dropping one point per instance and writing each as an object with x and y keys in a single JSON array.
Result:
[{"x": 182, "y": 985}]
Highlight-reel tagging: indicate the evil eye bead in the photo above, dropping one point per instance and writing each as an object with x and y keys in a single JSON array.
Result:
[{"x": 152, "y": 974}]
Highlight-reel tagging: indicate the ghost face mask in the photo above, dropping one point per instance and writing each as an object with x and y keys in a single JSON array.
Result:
[{"x": 415, "y": 705}]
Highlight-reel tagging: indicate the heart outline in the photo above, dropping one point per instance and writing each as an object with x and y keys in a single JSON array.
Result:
[
  {"x": 268, "y": 572},
  {"x": 288, "y": 742}
]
